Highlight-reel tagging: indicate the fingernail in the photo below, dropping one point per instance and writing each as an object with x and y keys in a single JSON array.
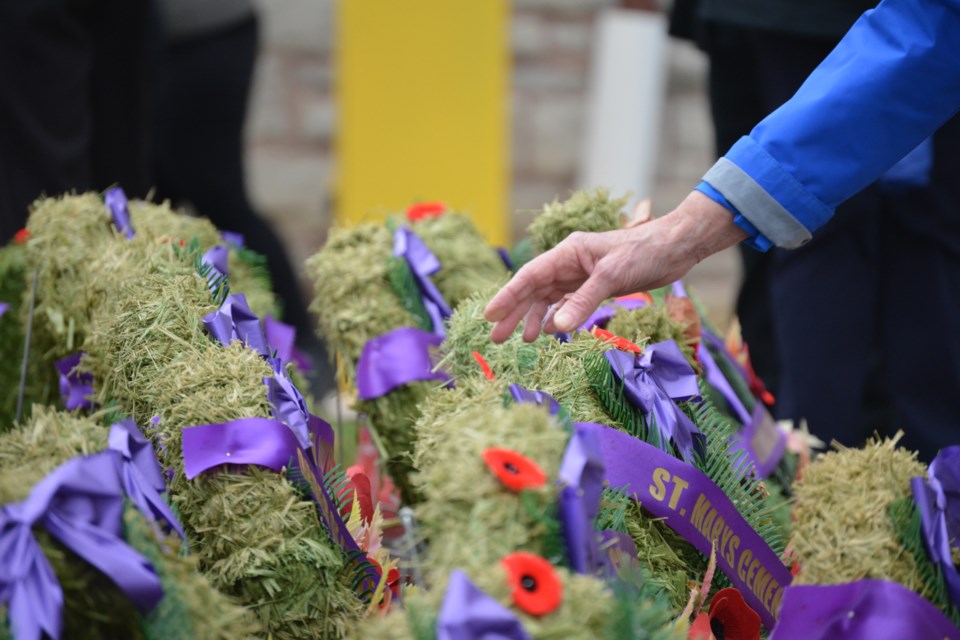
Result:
[{"x": 562, "y": 321}]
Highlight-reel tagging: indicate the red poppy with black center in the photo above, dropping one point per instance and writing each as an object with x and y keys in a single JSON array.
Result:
[
  {"x": 423, "y": 210},
  {"x": 620, "y": 343},
  {"x": 537, "y": 589},
  {"x": 730, "y": 618},
  {"x": 514, "y": 471},
  {"x": 484, "y": 366},
  {"x": 21, "y": 236}
]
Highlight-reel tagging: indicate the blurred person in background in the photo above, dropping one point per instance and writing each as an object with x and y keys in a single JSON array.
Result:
[
  {"x": 818, "y": 318},
  {"x": 74, "y": 102},
  {"x": 205, "y": 65},
  {"x": 874, "y": 273}
]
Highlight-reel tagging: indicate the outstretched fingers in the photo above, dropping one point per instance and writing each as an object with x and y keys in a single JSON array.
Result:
[{"x": 582, "y": 302}]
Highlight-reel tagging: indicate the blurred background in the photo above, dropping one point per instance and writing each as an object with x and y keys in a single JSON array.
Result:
[{"x": 303, "y": 148}]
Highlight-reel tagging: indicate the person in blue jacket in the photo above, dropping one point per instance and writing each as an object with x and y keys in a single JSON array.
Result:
[{"x": 892, "y": 81}]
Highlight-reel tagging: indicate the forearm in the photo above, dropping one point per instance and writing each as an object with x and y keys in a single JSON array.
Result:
[{"x": 700, "y": 227}]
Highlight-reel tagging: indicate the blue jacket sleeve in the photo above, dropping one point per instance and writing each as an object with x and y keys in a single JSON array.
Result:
[{"x": 892, "y": 81}]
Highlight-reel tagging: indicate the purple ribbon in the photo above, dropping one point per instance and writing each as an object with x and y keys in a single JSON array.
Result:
[
  {"x": 602, "y": 316},
  {"x": 140, "y": 473},
  {"x": 505, "y": 258},
  {"x": 582, "y": 474},
  {"x": 693, "y": 506},
  {"x": 396, "y": 358},
  {"x": 938, "y": 500},
  {"x": 81, "y": 504},
  {"x": 287, "y": 404},
  {"x": 718, "y": 381},
  {"x": 541, "y": 398},
  {"x": 4, "y": 307},
  {"x": 616, "y": 550},
  {"x": 217, "y": 257},
  {"x": 678, "y": 289},
  {"x": 235, "y": 321},
  {"x": 653, "y": 381},
  {"x": 116, "y": 201},
  {"x": 861, "y": 610},
  {"x": 423, "y": 264},
  {"x": 717, "y": 343},
  {"x": 282, "y": 339},
  {"x": 76, "y": 387},
  {"x": 467, "y": 613},
  {"x": 233, "y": 238},
  {"x": 761, "y": 441}
]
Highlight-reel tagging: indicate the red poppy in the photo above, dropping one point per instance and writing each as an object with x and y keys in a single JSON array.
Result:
[
  {"x": 794, "y": 568},
  {"x": 640, "y": 295},
  {"x": 620, "y": 343},
  {"x": 536, "y": 587},
  {"x": 423, "y": 210},
  {"x": 515, "y": 471},
  {"x": 484, "y": 366},
  {"x": 730, "y": 613},
  {"x": 21, "y": 236}
]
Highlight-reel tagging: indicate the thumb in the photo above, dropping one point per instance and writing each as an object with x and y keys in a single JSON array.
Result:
[{"x": 582, "y": 303}]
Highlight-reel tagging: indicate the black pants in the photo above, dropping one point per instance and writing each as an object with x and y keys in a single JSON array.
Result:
[
  {"x": 864, "y": 317},
  {"x": 203, "y": 86},
  {"x": 74, "y": 99}
]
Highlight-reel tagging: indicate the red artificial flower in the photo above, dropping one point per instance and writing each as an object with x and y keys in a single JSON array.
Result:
[
  {"x": 358, "y": 488},
  {"x": 537, "y": 589},
  {"x": 21, "y": 236},
  {"x": 487, "y": 371},
  {"x": 393, "y": 577},
  {"x": 730, "y": 613},
  {"x": 423, "y": 210},
  {"x": 620, "y": 343},
  {"x": 794, "y": 568},
  {"x": 515, "y": 471},
  {"x": 640, "y": 295}
]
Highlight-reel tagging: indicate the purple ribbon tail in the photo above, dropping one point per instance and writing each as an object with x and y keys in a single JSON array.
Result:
[
  {"x": 423, "y": 264},
  {"x": 467, "y": 613},
  {"x": 938, "y": 500},
  {"x": 288, "y": 405},
  {"x": 27, "y": 583},
  {"x": 281, "y": 337},
  {"x": 116, "y": 201},
  {"x": 582, "y": 474},
  {"x": 394, "y": 359}
]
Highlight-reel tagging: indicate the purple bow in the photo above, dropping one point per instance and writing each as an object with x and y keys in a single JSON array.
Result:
[
  {"x": 423, "y": 264},
  {"x": 581, "y": 474},
  {"x": 76, "y": 387},
  {"x": 81, "y": 505},
  {"x": 4, "y": 307},
  {"x": 116, "y": 201},
  {"x": 233, "y": 238},
  {"x": 467, "y": 613},
  {"x": 938, "y": 500},
  {"x": 602, "y": 316},
  {"x": 140, "y": 473},
  {"x": 654, "y": 381},
  {"x": 396, "y": 358},
  {"x": 541, "y": 398},
  {"x": 287, "y": 404},
  {"x": 235, "y": 321}
]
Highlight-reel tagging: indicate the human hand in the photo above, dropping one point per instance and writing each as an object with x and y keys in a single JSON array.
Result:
[{"x": 587, "y": 268}]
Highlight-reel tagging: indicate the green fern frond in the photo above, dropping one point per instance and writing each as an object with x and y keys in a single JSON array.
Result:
[
  {"x": 405, "y": 286},
  {"x": 614, "y": 510}
]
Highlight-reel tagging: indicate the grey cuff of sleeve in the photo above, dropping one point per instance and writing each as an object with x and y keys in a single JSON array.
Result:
[{"x": 756, "y": 205}]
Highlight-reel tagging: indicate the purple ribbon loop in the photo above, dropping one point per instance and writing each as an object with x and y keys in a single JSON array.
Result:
[
  {"x": 235, "y": 321},
  {"x": 541, "y": 398},
  {"x": 467, "y": 613},
  {"x": 423, "y": 263},
  {"x": 693, "y": 506},
  {"x": 861, "y": 610},
  {"x": 654, "y": 381},
  {"x": 396, "y": 358},
  {"x": 76, "y": 387},
  {"x": 116, "y": 201},
  {"x": 582, "y": 474},
  {"x": 602, "y": 316},
  {"x": 140, "y": 474},
  {"x": 80, "y": 504},
  {"x": 938, "y": 500}
]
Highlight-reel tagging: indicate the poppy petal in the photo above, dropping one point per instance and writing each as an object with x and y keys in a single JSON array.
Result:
[
  {"x": 537, "y": 589},
  {"x": 484, "y": 366},
  {"x": 514, "y": 471},
  {"x": 423, "y": 210},
  {"x": 620, "y": 343},
  {"x": 734, "y": 615}
]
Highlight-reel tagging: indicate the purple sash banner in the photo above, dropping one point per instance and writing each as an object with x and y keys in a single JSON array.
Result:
[
  {"x": 761, "y": 441},
  {"x": 526, "y": 396},
  {"x": 861, "y": 610},
  {"x": 76, "y": 387},
  {"x": 80, "y": 503},
  {"x": 467, "y": 613},
  {"x": 581, "y": 474},
  {"x": 423, "y": 263},
  {"x": 116, "y": 201},
  {"x": 396, "y": 358},
  {"x": 605, "y": 313},
  {"x": 938, "y": 500},
  {"x": 654, "y": 381},
  {"x": 693, "y": 506}
]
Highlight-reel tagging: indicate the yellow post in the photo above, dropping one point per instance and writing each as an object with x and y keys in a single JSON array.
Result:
[{"x": 423, "y": 108}]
